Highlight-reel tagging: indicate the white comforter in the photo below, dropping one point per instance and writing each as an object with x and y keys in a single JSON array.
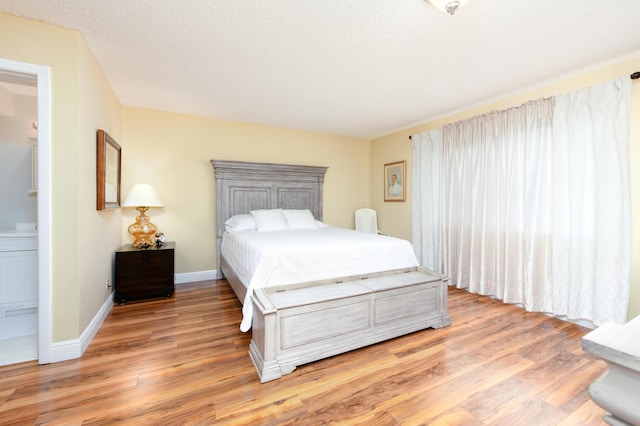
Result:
[{"x": 264, "y": 259}]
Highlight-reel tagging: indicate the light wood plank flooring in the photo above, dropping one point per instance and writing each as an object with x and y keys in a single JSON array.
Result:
[{"x": 184, "y": 361}]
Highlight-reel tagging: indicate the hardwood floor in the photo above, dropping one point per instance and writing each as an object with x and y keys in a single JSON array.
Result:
[{"x": 184, "y": 361}]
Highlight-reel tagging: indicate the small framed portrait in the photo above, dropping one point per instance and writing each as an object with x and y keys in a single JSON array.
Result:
[{"x": 394, "y": 181}]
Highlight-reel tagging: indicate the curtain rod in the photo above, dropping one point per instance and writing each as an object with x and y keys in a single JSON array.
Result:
[{"x": 634, "y": 76}]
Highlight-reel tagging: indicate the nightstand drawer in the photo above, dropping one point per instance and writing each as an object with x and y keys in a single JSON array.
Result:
[
  {"x": 147, "y": 262},
  {"x": 144, "y": 273},
  {"x": 144, "y": 288}
]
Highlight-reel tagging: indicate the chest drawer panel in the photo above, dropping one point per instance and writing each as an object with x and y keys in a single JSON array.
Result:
[
  {"x": 142, "y": 274},
  {"x": 149, "y": 261}
]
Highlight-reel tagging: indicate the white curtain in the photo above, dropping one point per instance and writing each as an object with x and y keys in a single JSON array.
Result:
[
  {"x": 531, "y": 205},
  {"x": 592, "y": 223},
  {"x": 425, "y": 232}
]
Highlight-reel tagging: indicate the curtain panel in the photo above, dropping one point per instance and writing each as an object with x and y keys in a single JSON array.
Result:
[
  {"x": 426, "y": 192},
  {"x": 592, "y": 223},
  {"x": 531, "y": 205}
]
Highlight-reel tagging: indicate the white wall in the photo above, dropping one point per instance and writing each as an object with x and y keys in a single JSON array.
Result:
[{"x": 15, "y": 160}]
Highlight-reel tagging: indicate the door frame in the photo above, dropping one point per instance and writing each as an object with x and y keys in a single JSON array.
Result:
[{"x": 45, "y": 273}]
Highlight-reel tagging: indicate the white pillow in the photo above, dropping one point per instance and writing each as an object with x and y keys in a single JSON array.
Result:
[
  {"x": 300, "y": 219},
  {"x": 270, "y": 220},
  {"x": 240, "y": 222}
]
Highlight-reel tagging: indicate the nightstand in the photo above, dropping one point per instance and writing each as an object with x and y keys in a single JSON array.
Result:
[{"x": 144, "y": 273}]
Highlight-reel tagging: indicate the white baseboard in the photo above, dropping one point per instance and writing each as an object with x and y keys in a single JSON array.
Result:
[
  {"x": 189, "y": 277},
  {"x": 73, "y": 349}
]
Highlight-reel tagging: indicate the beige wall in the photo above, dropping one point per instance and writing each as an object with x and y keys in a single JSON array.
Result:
[
  {"x": 173, "y": 152},
  {"x": 99, "y": 231},
  {"x": 396, "y": 217},
  {"x": 83, "y": 239}
]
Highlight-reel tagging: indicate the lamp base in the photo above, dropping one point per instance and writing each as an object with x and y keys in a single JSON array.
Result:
[{"x": 143, "y": 231}]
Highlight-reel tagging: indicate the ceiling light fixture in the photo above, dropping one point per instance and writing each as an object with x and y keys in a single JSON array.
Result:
[{"x": 449, "y": 6}]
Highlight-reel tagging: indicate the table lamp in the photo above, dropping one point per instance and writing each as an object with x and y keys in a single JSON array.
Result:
[{"x": 142, "y": 196}]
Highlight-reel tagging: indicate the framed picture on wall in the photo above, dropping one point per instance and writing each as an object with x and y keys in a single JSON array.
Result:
[
  {"x": 394, "y": 181},
  {"x": 109, "y": 156}
]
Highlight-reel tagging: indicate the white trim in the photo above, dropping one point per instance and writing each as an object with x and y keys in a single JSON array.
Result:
[
  {"x": 73, "y": 349},
  {"x": 89, "y": 333},
  {"x": 64, "y": 351},
  {"x": 43, "y": 76},
  {"x": 189, "y": 277}
]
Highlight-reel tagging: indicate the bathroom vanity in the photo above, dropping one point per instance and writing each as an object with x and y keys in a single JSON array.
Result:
[{"x": 18, "y": 282}]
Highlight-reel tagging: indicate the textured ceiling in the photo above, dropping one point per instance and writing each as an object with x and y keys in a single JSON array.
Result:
[{"x": 362, "y": 68}]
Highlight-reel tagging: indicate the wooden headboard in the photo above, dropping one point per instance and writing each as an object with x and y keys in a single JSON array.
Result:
[{"x": 242, "y": 187}]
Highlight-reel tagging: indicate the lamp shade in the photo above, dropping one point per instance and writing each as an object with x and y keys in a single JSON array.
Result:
[{"x": 142, "y": 195}]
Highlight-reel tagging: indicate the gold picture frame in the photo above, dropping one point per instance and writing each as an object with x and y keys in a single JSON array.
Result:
[
  {"x": 109, "y": 158},
  {"x": 395, "y": 181}
]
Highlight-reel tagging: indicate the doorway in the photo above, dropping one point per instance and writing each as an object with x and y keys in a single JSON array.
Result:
[{"x": 25, "y": 74}]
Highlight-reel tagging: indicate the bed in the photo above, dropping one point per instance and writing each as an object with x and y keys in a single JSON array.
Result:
[{"x": 306, "y": 294}]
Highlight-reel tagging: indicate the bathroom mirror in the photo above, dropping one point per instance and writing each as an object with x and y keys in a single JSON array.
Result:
[{"x": 108, "y": 172}]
